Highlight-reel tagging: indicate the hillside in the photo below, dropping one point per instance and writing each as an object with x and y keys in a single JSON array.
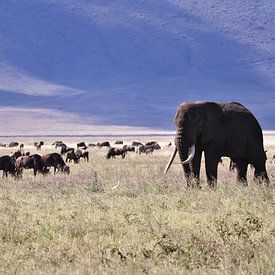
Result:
[{"x": 131, "y": 62}]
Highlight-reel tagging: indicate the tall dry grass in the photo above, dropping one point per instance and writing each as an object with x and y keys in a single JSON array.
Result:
[{"x": 151, "y": 223}]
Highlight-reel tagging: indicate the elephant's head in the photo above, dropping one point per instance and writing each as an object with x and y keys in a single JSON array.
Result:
[{"x": 196, "y": 124}]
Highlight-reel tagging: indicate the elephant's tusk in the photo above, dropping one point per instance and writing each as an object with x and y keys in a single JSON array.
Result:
[
  {"x": 170, "y": 160},
  {"x": 191, "y": 155}
]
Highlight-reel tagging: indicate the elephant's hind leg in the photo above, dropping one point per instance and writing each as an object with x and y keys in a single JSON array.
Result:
[
  {"x": 241, "y": 166},
  {"x": 260, "y": 174}
]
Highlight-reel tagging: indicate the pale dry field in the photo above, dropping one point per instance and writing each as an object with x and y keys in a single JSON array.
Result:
[{"x": 152, "y": 223}]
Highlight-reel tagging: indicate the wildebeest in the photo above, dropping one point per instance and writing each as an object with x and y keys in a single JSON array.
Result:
[
  {"x": 137, "y": 143},
  {"x": 3, "y": 145},
  {"x": 92, "y": 145},
  {"x": 103, "y": 144},
  {"x": 21, "y": 146},
  {"x": 72, "y": 156},
  {"x": 38, "y": 144},
  {"x": 140, "y": 149},
  {"x": 81, "y": 154},
  {"x": 34, "y": 162},
  {"x": 18, "y": 154},
  {"x": 13, "y": 144},
  {"x": 148, "y": 149},
  {"x": 129, "y": 148},
  {"x": 82, "y": 145},
  {"x": 65, "y": 149},
  {"x": 156, "y": 146},
  {"x": 7, "y": 164},
  {"x": 56, "y": 161},
  {"x": 113, "y": 152},
  {"x": 119, "y": 142},
  {"x": 149, "y": 143},
  {"x": 58, "y": 143}
]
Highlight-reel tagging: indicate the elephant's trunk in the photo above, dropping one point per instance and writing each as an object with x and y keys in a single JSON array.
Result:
[{"x": 182, "y": 146}]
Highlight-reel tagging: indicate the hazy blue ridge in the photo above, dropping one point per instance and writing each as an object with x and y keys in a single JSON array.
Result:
[{"x": 131, "y": 62}]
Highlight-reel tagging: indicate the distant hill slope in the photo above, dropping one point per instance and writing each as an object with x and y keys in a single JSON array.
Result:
[{"x": 126, "y": 62}]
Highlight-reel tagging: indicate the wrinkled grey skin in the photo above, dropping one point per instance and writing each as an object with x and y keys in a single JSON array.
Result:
[{"x": 219, "y": 129}]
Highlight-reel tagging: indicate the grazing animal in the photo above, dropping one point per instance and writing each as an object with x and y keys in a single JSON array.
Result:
[
  {"x": 141, "y": 149},
  {"x": 13, "y": 144},
  {"x": 38, "y": 144},
  {"x": 92, "y": 145},
  {"x": 72, "y": 156},
  {"x": 7, "y": 164},
  {"x": 149, "y": 150},
  {"x": 16, "y": 155},
  {"x": 34, "y": 162},
  {"x": 81, "y": 154},
  {"x": 3, "y": 145},
  {"x": 19, "y": 153},
  {"x": 104, "y": 144},
  {"x": 85, "y": 155},
  {"x": 136, "y": 143},
  {"x": 56, "y": 161},
  {"x": 218, "y": 129},
  {"x": 65, "y": 149},
  {"x": 149, "y": 143},
  {"x": 129, "y": 148},
  {"x": 156, "y": 146},
  {"x": 21, "y": 147},
  {"x": 82, "y": 145},
  {"x": 113, "y": 152},
  {"x": 58, "y": 143},
  {"x": 119, "y": 142}
]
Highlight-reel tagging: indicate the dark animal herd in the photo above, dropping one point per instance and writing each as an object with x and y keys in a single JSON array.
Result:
[{"x": 20, "y": 160}]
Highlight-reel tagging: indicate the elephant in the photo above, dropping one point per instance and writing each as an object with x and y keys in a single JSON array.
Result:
[{"x": 218, "y": 129}]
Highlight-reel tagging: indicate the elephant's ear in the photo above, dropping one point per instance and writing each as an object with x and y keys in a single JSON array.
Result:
[
  {"x": 212, "y": 122},
  {"x": 208, "y": 133}
]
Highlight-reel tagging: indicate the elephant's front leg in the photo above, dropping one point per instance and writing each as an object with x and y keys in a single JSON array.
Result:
[
  {"x": 187, "y": 173},
  {"x": 196, "y": 165},
  {"x": 211, "y": 167}
]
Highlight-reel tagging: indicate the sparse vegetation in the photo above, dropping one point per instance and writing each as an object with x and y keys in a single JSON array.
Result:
[{"x": 151, "y": 223}]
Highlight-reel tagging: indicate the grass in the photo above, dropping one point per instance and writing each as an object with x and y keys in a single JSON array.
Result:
[{"x": 151, "y": 223}]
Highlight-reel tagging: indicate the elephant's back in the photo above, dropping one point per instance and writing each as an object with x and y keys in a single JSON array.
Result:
[
  {"x": 241, "y": 117},
  {"x": 240, "y": 121}
]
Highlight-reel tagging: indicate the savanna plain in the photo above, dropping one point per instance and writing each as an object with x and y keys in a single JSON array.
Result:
[{"x": 151, "y": 223}]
